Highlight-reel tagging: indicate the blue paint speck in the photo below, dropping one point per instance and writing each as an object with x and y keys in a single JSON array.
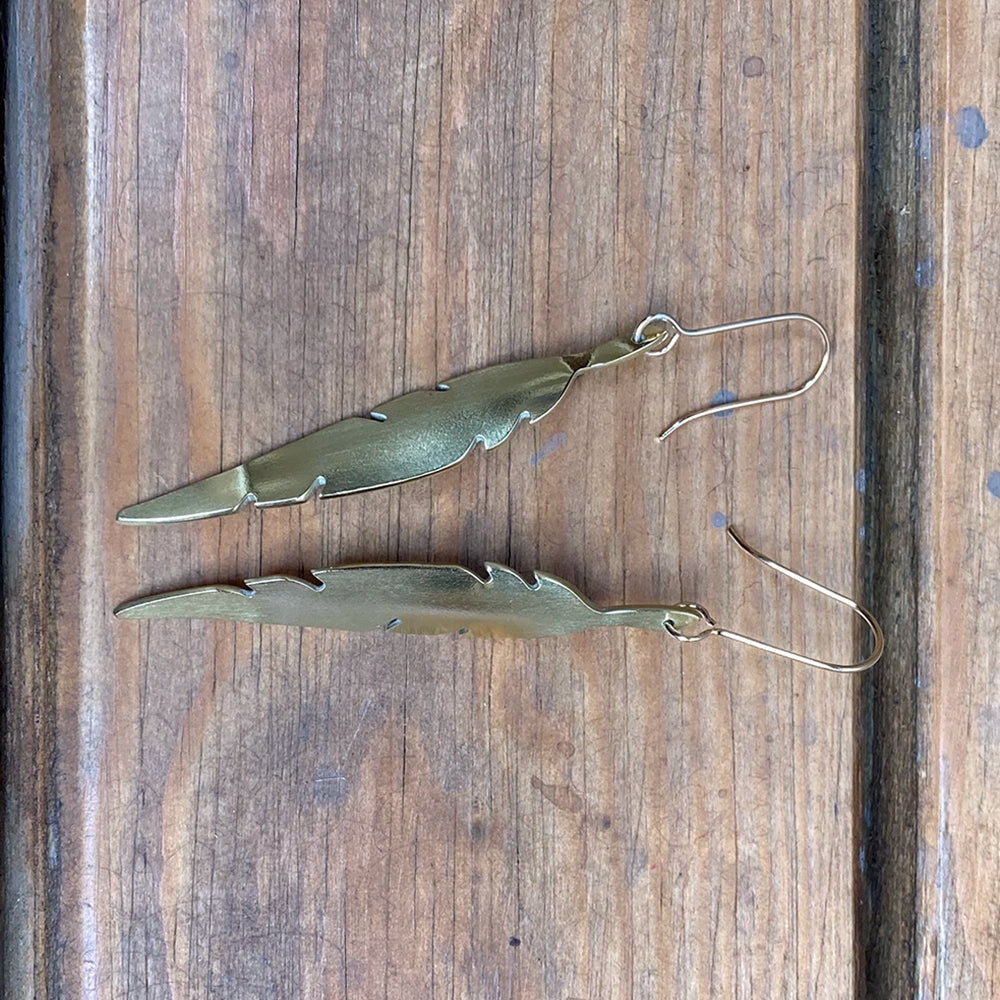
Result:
[
  {"x": 718, "y": 519},
  {"x": 993, "y": 483},
  {"x": 554, "y": 443},
  {"x": 861, "y": 480},
  {"x": 926, "y": 273},
  {"x": 723, "y": 396},
  {"x": 862, "y": 532},
  {"x": 970, "y": 127},
  {"x": 922, "y": 141}
]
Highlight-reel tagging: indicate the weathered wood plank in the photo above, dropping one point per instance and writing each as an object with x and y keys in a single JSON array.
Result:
[
  {"x": 264, "y": 217},
  {"x": 958, "y": 723}
]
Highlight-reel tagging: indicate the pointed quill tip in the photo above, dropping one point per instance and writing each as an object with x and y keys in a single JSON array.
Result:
[
  {"x": 221, "y": 494},
  {"x": 213, "y": 601},
  {"x": 136, "y": 609}
]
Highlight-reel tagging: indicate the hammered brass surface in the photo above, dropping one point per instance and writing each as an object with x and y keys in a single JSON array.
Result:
[{"x": 417, "y": 599}]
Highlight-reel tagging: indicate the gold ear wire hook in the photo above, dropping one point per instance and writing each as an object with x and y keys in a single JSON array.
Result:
[
  {"x": 864, "y": 614},
  {"x": 707, "y": 331}
]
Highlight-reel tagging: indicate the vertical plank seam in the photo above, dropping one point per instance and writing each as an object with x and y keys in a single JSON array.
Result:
[{"x": 890, "y": 483}]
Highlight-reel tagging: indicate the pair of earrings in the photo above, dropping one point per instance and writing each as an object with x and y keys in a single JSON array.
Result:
[{"x": 416, "y": 435}]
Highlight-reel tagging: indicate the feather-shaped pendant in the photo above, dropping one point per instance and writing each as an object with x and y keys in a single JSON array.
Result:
[
  {"x": 427, "y": 431},
  {"x": 406, "y": 438},
  {"x": 434, "y": 600},
  {"x": 415, "y": 599}
]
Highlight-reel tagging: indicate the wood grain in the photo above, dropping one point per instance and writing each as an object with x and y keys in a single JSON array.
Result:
[
  {"x": 958, "y": 719},
  {"x": 934, "y": 494},
  {"x": 258, "y": 218}
]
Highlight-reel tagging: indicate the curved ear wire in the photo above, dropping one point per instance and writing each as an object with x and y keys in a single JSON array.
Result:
[
  {"x": 865, "y": 615},
  {"x": 755, "y": 400}
]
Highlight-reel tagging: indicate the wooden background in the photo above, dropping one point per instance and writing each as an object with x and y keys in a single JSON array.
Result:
[{"x": 232, "y": 223}]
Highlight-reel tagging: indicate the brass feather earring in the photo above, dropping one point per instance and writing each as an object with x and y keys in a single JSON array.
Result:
[
  {"x": 427, "y": 431},
  {"x": 435, "y": 600}
]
